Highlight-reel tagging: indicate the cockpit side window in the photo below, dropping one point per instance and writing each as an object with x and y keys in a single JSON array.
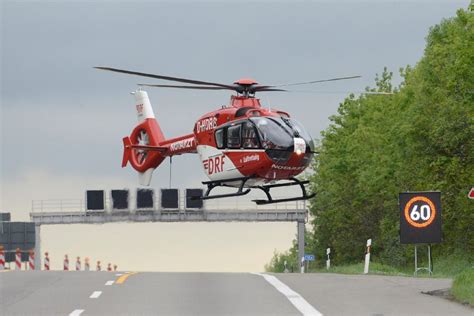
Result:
[
  {"x": 233, "y": 136},
  {"x": 249, "y": 136},
  {"x": 220, "y": 141}
]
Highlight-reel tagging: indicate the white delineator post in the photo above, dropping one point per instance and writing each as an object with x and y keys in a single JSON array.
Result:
[
  {"x": 367, "y": 256},
  {"x": 78, "y": 264},
  {"x": 328, "y": 261},
  {"x": 46, "y": 261},
  {"x": 18, "y": 259},
  {"x": 66, "y": 263},
  {"x": 31, "y": 259},
  {"x": 302, "y": 265},
  {"x": 2, "y": 258}
]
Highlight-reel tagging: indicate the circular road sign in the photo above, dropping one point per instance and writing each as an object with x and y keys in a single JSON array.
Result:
[{"x": 420, "y": 212}]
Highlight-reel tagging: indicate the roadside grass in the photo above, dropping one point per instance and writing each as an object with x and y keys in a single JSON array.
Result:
[
  {"x": 358, "y": 268},
  {"x": 463, "y": 286},
  {"x": 459, "y": 268},
  {"x": 442, "y": 268}
]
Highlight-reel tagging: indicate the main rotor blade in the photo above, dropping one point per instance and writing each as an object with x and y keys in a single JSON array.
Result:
[
  {"x": 165, "y": 77},
  {"x": 315, "y": 81},
  {"x": 265, "y": 89},
  {"x": 341, "y": 92},
  {"x": 182, "y": 87}
]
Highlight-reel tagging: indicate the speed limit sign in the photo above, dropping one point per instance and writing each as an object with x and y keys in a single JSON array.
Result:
[{"x": 420, "y": 217}]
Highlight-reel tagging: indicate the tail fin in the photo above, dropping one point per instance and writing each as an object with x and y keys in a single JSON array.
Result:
[{"x": 142, "y": 147}]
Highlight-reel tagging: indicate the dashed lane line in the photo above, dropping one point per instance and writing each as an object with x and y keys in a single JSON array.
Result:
[
  {"x": 109, "y": 282},
  {"x": 95, "y": 294},
  {"x": 297, "y": 300},
  {"x": 76, "y": 312}
]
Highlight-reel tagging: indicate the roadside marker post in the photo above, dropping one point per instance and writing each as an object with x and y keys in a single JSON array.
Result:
[
  {"x": 66, "y": 263},
  {"x": 31, "y": 259},
  {"x": 302, "y": 265},
  {"x": 328, "y": 261},
  {"x": 87, "y": 267},
  {"x": 46, "y": 261},
  {"x": 78, "y": 264},
  {"x": 2, "y": 258},
  {"x": 18, "y": 259},
  {"x": 98, "y": 266},
  {"x": 367, "y": 256}
]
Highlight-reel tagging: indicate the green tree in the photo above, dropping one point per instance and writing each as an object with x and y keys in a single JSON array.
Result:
[{"x": 418, "y": 137}]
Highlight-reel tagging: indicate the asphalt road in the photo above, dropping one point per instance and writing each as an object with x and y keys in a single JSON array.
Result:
[{"x": 150, "y": 293}]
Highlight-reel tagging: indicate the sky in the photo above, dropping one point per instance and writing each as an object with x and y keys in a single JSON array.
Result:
[{"x": 62, "y": 121}]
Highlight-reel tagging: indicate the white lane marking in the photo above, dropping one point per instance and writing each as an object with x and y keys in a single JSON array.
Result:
[
  {"x": 109, "y": 282},
  {"x": 118, "y": 274},
  {"x": 76, "y": 312},
  {"x": 297, "y": 300},
  {"x": 96, "y": 294}
]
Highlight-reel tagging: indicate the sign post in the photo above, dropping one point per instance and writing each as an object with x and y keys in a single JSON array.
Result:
[
  {"x": 420, "y": 222},
  {"x": 308, "y": 258}
]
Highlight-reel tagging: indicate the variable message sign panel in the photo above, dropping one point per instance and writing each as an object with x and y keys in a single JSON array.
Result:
[
  {"x": 145, "y": 199},
  {"x": 119, "y": 199},
  {"x": 95, "y": 200},
  {"x": 193, "y": 198},
  {"x": 420, "y": 217}
]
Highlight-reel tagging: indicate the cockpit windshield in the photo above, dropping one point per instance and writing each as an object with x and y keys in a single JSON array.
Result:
[
  {"x": 273, "y": 134},
  {"x": 278, "y": 132}
]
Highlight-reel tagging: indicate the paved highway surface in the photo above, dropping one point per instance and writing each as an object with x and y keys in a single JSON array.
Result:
[{"x": 150, "y": 293}]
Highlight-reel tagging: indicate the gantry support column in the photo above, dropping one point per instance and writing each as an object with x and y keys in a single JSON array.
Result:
[
  {"x": 38, "y": 247},
  {"x": 301, "y": 245}
]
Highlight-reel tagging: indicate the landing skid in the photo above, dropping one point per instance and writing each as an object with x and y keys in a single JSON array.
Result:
[
  {"x": 270, "y": 200},
  {"x": 265, "y": 188},
  {"x": 222, "y": 183}
]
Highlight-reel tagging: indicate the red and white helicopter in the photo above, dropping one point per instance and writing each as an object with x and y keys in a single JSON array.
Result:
[{"x": 241, "y": 145}]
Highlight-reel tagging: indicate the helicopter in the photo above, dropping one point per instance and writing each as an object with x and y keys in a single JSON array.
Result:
[{"x": 242, "y": 145}]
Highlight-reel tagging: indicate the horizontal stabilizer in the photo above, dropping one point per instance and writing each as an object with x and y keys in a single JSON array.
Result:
[{"x": 149, "y": 148}]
